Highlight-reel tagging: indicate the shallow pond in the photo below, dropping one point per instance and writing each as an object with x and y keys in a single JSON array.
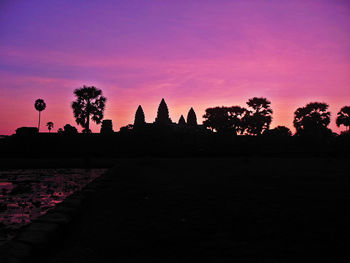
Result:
[{"x": 28, "y": 193}]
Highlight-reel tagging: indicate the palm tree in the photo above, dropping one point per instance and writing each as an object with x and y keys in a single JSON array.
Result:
[
  {"x": 49, "y": 125},
  {"x": 344, "y": 117},
  {"x": 89, "y": 102},
  {"x": 39, "y": 105}
]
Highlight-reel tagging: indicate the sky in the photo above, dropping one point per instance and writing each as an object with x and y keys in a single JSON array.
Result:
[{"x": 196, "y": 53}]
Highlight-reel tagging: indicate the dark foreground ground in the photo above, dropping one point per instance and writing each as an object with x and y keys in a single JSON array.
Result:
[{"x": 217, "y": 210}]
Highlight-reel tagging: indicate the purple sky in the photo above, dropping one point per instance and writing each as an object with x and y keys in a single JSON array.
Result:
[{"x": 192, "y": 53}]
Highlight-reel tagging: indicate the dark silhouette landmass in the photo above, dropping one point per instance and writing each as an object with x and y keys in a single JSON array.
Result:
[
  {"x": 213, "y": 210},
  {"x": 226, "y": 131},
  {"x": 228, "y": 190}
]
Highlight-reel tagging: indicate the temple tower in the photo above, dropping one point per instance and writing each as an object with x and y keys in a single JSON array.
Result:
[
  {"x": 139, "y": 117},
  {"x": 191, "y": 118},
  {"x": 163, "y": 114},
  {"x": 182, "y": 120}
]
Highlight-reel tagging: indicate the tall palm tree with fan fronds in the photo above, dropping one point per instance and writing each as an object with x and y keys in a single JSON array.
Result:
[
  {"x": 39, "y": 105},
  {"x": 89, "y": 102},
  {"x": 49, "y": 126}
]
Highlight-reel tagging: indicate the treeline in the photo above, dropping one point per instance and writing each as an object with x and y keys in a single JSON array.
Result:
[{"x": 312, "y": 120}]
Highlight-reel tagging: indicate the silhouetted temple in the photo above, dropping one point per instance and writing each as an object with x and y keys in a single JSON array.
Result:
[
  {"x": 163, "y": 114},
  {"x": 164, "y": 120},
  {"x": 107, "y": 127},
  {"x": 191, "y": 118},
  {"x": 139, "y": 117},
  {"x": 182, "y": 120}
]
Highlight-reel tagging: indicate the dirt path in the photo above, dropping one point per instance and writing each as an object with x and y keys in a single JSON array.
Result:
[{"x": 217, "y": 210}]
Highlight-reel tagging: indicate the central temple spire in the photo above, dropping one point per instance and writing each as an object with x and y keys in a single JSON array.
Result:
[
  {"x": 139, "y": 117},
  {"x": 163, "y": 114}
]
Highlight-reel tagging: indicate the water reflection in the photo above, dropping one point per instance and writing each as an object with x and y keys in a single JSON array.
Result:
[{"x": 27, "y": 194}]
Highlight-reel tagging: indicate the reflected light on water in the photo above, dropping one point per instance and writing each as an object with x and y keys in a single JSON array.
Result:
[{"x": 27, "y": 194}]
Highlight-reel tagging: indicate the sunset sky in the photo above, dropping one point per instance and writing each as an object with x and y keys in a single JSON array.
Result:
[{"x": 196, "y": 54}]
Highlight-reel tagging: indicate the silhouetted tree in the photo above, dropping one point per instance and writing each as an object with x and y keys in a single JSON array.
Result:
[
  {"x": 107, "y": 127},
  {"x": 89, "y": 102},
  {"x": 60, "y": 130},
  {"x": 126, "y": 128},
  {"x": 49, "y": 126},
  {"x": 191, "y": 118},
  {"x": 312, "y": 119},
  {"x": 26, "y": 131},
  {"x": 216, "y": 119},
  {"x": 259, "y": 119},
  {"x": 182, "y": 120},
  {"x": 235, "y": 117},
  {"x": 39, "y": 105},
  {"x": 69, "y": 129},
  {"x": 225, "y": 119},
  {"x": 279, "y": 131},
  {"x": 163, "y": 113},
  {"x": 344, "y": 117},
  {"x": 139, "y": 117}
]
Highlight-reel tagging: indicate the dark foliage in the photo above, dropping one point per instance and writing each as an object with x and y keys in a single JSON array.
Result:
[
  {"x": 312, "y": 120},
  {"x": 216, "y": 119},
  {"x": 24, "y": 131},
  {"x": 279, "y": 131},
  {"x": 259, "y": 119},
  {"x": 49, "y": 125},
  {"x": 39, "y": 105},
  {"x": 69, "y": 129},
  {"x": 127, "y": 128},
  {"x": 344, "y": 117},
  {"x": 89, "y": 102},
  {"x": 225, "y": 120},
  {"x": 236, "y": 118}
]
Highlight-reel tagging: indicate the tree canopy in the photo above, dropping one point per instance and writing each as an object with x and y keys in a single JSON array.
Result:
[
  {"x": 49, "y": 125},
  {"x": 259, "y": 118},
  {"x": 89, "y": 102},
  {"x": 224, "y": 119},
  {"x": 69, "y": 129},
  {"x": 312, "y": 119},
  {"x": 344, "y": 117},
  {"x": 39, "y": 105},
  {"x": 279, "y": 131}
]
